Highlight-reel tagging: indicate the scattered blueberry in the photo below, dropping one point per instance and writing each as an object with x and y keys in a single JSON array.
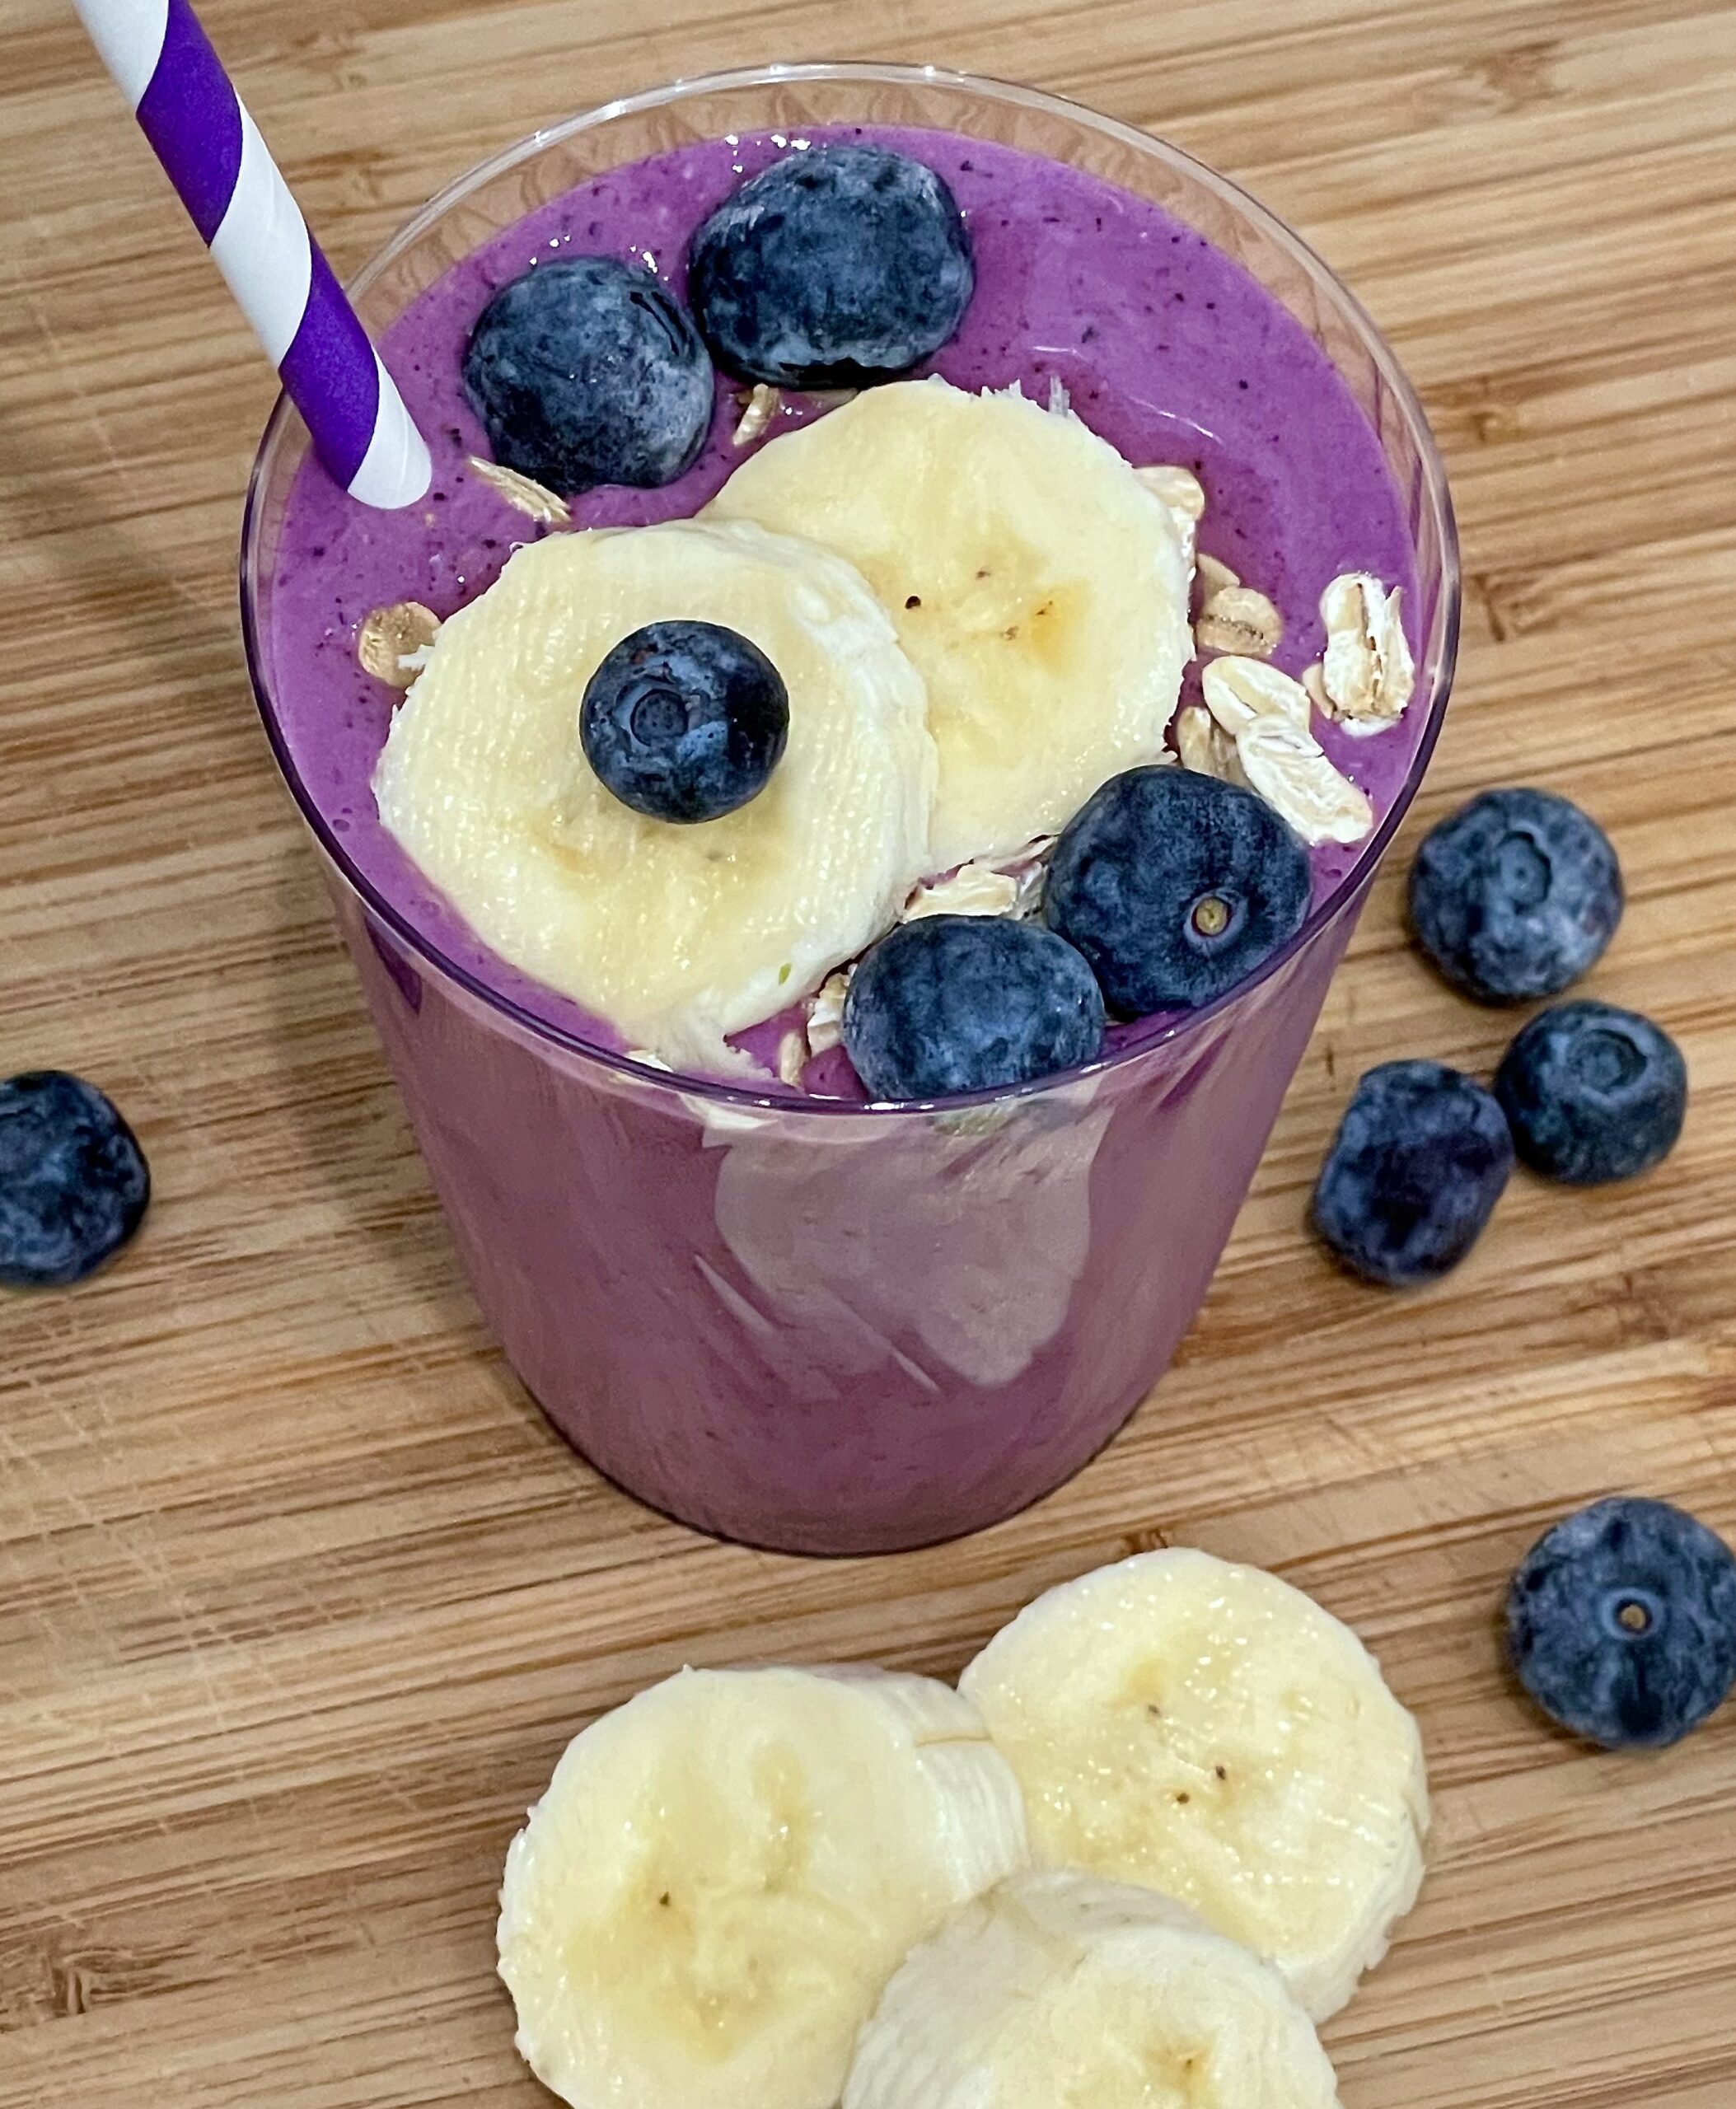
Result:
[
  {"x": 74, "y": 1181},
  {"x": 1621, "y": 1623},
  {"x": 685, "y": 721},
  {"x": 1174, "y": 886},
  {"x": 585, "y": 372},
  {"x": 1515, "y": 895},
  {"x": 1414, "y": 1173},
  {"x": 968, "y": 1002},
  {"x": 1593, "y": 1093},
  {"x": 832, "y": 269}
]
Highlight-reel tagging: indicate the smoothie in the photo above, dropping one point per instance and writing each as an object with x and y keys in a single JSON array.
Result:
[{"x": 774, "y": 1314}]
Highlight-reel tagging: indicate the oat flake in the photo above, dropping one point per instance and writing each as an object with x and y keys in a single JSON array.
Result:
[
  {"x": 1240, "y": 620},
  {"x": 1367, "y": 675},
  {"x": 1204, "y": 746},
  {"x": 762, "y": 406},
  {"x": 1286, "y": 764},
  {"x": 522, "y": 493},
  {"x": 393, "y": 643},
  {"x": 792, "y": 1057},
  {"x": 1239, "y": 691},
  {"x": 826, "y": 1013}
]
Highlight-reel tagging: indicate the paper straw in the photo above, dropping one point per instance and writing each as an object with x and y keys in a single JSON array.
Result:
[{"x": 188, "y": 109}]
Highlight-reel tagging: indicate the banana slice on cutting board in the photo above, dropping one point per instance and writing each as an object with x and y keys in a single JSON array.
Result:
[
  {"x": 1206, "y": 1730},
  {"x": 707, "y": 1902},
  {"x": 676, "y": 935},
  {"x": 1059, "y": 1989},
  {"x": 1039, "y": 587}
]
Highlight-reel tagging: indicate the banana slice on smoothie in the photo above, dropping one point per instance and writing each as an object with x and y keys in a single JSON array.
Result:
[
  {"x": 1205, "y": 1729},
  {"x": 1039, "y": 587},
  {"x": 1060, "y": 1989},
  {"x": 676, "y": 935},
  {"x": 705, "y": 1905}
]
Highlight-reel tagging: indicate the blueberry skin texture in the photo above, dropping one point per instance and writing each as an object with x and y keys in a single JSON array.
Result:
[
  {"x": 1135, "y": 863},
  {"x": 1413, "y": 1174},
  {"x": 1514, "y": 896},
  {"x": 955, "y": 1003},
  {"x": 74, "y": 1181},
  {"x": 1593, "y": 1093},
  {"x": 1644, "y": 1684},
  {"x": 832, "y": 269},
  {"x": 585, "y": 372},
  {"x": 685, "y": 721}
]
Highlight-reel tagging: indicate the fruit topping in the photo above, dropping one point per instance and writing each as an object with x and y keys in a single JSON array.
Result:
[
  {"x": 685, "y": 721},
  {"x": 1037, "y": 586},
  {"x": 679, "y": 937},
  {"x": 585, "y": 372},
  {"x": 835, "y": 267},
  {"x": 1174, "y": 886},
  {"x": 967, "y": 1002}
]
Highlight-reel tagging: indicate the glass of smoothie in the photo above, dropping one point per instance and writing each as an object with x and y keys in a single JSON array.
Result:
[{"x": 754, "y": 1298}]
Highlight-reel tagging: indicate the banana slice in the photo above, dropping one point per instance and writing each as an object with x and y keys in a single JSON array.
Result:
[
  {"x": 1060, "y": 1989},
  {"x": 1039, "y": 588},
  {"x": 676, "y": 935},
  {"x": 1207, "y": 1730},
  {"x": 709, "y": 1898}
]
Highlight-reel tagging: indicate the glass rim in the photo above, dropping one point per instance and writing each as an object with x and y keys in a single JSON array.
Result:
[{"x": 758, "y": 1098}]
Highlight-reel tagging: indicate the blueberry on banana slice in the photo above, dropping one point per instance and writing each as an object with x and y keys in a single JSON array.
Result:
[{"x": 685, "y": 721}]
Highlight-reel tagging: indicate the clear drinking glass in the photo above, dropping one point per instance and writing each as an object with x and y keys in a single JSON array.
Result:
[{"x": 813, "y": 1326}]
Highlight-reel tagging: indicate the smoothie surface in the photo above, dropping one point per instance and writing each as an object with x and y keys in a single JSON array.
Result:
[{"x": 1165, "y": 346}]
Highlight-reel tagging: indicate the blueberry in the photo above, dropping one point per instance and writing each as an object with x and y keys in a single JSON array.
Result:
[
  {"x": 1621, "y": 1623},
  {"x": 1593, "y": 1093},
  {"x": 967, "y": 1002},
  {"x": 585, "y": 372},
  {"x": 1175, "y": 888},
  {"x": 685, "y": 721},
  {"x": 832, "y": 269},
  {"x": 1414, "y": 1173},
  {"x": 1515, "y": 895},
  {"x": 73, "y": 1182}
]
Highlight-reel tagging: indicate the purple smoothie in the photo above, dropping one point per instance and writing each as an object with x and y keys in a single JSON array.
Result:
[{"x": 792, "y": 1321}]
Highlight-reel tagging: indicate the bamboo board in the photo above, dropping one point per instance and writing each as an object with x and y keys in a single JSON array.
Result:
[{"x": 298, "y": 1597}]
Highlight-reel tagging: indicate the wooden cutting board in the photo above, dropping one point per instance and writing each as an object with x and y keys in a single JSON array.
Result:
[{"x": 299, "y": 1599}]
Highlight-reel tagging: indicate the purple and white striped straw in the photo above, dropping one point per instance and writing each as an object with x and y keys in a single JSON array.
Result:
[{"x": 188, "y": 109}]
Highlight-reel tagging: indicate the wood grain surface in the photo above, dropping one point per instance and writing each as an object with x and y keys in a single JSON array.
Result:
[{"x": 299, "y": 1598}]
